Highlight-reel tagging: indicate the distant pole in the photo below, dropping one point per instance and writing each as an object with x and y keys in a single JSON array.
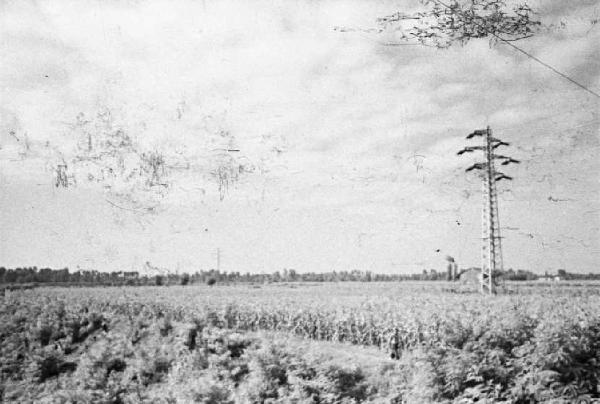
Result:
[{"x": 492, "y": 245}]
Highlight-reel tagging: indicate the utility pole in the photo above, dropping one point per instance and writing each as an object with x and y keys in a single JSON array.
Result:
[{"x": 492, "y": 241}]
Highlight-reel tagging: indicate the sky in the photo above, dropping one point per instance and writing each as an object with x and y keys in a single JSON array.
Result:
[{"x": 259, "y": 130}]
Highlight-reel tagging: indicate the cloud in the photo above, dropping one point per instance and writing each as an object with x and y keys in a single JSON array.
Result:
[{"x": 332, "y": 123}]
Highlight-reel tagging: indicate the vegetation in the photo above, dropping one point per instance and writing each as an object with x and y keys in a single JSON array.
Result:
[
  {"x": 208, "y": 344},
  {"x": 449, "y": 22},
  {"x": 47, "y": 276}
]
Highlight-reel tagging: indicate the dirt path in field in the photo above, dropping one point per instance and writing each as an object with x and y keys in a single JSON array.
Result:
[{"x": 367, "y": 358}]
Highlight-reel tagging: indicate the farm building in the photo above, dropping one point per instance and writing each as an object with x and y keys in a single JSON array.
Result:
[
  {"x": 470, "y": 275},
  {"x": 549, "y": 278}
]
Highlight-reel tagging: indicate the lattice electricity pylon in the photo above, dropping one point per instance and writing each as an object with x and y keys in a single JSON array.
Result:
[{"x": 492, "y": 241}]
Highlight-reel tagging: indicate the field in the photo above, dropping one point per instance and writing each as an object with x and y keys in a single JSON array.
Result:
[{"x": 319, "y": 343}]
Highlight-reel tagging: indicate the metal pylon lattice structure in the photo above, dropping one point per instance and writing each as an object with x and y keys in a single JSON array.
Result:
[
  {"x": 492, "y": 241},
  {"x": 491, "y": 258}
]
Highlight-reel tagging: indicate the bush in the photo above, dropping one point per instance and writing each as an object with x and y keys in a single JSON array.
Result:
[
  {"x": 44, "y": 334},
  {"x": 267, "y": 378},
  {"x": 343, "y": 384},
  {"x": 49, "y": 365}
]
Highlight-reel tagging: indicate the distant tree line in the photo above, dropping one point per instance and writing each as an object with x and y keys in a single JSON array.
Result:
[{"x": 34, "y": 275}]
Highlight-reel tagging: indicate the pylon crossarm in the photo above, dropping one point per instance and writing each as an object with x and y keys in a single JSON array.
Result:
[
  {"x": 500, "y": 176},
  {"x": 480, "y": 132},
  {"x": 470, "y": 149},
  {"x": 499, "y": 143},
  {"x": 506, "y": 159},
  {"x": 477, "y": 166}
]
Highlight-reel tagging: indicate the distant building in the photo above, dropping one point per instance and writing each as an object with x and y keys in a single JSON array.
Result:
[
  {"x": 470, "y": 275},
  {"x": 451, "y": 269},
  {"x": 549, "y": 278}
]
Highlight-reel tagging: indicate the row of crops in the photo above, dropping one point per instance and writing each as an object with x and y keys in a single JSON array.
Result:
[
  {"x": 469, "y": 347},
  {"x": 416, "y": 316}
]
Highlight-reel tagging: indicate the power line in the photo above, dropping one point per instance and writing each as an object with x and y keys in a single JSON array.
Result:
[
  {"x": 526, "y": 53},
  {"x": 528, "y": 124},
  {"x": 548, "y": 66}
]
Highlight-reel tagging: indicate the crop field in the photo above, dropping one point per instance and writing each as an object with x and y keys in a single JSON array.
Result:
[{"x": 301, "y": 343}]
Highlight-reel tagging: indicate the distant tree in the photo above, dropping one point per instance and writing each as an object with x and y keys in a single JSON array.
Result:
[
  {"x": 184, "y": 279},
  {"x": 10, "y": 276},
  {"x": 159, "y": 280}
]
